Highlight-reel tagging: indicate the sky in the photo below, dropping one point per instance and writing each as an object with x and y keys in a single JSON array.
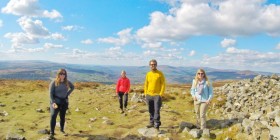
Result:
[{"x": 223, "y": 34}]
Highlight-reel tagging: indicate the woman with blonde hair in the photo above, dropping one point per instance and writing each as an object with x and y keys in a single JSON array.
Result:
[
  {"x": 59, "y": 90},
  {"x": 202, "y": 93}
]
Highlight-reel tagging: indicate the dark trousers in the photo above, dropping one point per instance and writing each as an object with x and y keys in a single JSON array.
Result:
[
  {"x": 54, "y": 112},
  {"x": 121, "y": 96},
  {"x": 154, "y": 105}
]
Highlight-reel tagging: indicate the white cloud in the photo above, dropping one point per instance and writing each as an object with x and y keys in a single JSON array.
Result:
[
  {"x": 18, "y": 39},
  {"x": 52, "y": 15},
  {"x": 29, "y": 8},
  {"x": 50, "y": 46},
  {"x": 149, "y": 52},
  {"x": 87, "y": 41},
  {"x": 228, "y": 43},
  {"x": 244, "y": 59},
  {"x": 278, "y": 46},
  {"x": 225, "y": 18},
  {"x": 192, "y": 53},
  {"x": 57, "y": 36},
  {"x": 152, "y": 45},
  {"x": 114, "y": 49},
  {"x": 33, "y": 28},
  {"x": 71, "y": 28},
  {"x": 124, "y": 38}
]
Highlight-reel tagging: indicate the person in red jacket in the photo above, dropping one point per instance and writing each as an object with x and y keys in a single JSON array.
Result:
[{"x": 122, "y": 89}]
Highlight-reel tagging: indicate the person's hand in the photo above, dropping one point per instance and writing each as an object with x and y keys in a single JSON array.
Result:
[
  {"x": 208, "y": 102},
  {"x": 194, "y": 98},
  {"x": 54, "y": 105}
]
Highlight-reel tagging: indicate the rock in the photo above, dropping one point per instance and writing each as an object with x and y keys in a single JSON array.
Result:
[
  {"x": 196, "y": 133},
  {"x": 108, "y": 122},
  {"x": 43, "y": 131},
  {"x": 2, "y": 105},
  {"x": 206, "y": 133},
  {"x": 4, "y": 113},
  {"x": 13, "y": 136},
  {"x": 148, "y": 132},
  {"x": 105, "y": 118},
  {"x": 255, "y": 116},
  {"x": 247, "y": 125},
  {"x": 92, "y": 119},
  {"x": 40, "y": 110},
  {"x": 274, "y": 132},
  {"x": 77, "y": 109},
  {"x": 182, "y": 125},
  {"x": 277, "y": 120}
]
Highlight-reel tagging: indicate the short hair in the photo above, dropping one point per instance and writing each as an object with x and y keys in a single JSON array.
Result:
[{"x": 153, "y": 60}]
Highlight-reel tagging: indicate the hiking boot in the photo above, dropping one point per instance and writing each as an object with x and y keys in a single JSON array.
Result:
[{"x": 150, "y": 126}]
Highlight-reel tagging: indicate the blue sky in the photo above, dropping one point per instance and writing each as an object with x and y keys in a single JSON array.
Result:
[{"x": 224, "y": 34}]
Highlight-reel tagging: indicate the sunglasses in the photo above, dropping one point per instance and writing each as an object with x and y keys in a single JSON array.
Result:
[
  {"x": 62, "y": 73},
  {"x": 153, "y": 64},
  {"x": 200, "y": 73}
]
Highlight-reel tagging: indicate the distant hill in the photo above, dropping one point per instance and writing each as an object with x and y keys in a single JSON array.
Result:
[{"x": 45, "y": 70}]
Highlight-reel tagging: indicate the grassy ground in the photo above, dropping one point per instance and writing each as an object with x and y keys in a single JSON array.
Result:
[{"x": 23, "y": 97}]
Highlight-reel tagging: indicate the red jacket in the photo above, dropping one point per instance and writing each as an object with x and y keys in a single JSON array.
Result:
[{"x": 123, "y": 85}]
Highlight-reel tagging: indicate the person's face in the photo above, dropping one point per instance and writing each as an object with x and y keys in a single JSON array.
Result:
[
  {"x": 200, "y": 75},
  {"x": 153, "y": 65},
  {"x": 123, "y": 74},
  {"x": 62, "y": 74}
]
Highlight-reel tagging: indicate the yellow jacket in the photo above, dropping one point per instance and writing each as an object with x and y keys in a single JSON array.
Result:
[{"x": 154, "y": 83}]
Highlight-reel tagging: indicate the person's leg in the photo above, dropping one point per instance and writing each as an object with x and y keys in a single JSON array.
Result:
[
  {"x": 197, "y": 113},
  {"x": 54, "y": 113},
  {"x": 125, "y": 100},
  {"x": 151, "y": 109},
  {"x": 121, "y": 100},
  {"x": 62, "y": 114},
  {"x": 157, "y": 106},
  {"x": 203, "y": 109}
]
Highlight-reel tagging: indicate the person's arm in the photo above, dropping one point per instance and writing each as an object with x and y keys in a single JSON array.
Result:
[
  {"x": 162, "y": 81},
  {"x": 128, "y": 86},
  {"x": 193, "y": 90},
  {"x": 146, "y": 83},
  {"x": 71, "y": 86},
  {"x": 210, "y": 92},
  {"x": 52, "y": 91},
  {"x": 117, "y": 86}
]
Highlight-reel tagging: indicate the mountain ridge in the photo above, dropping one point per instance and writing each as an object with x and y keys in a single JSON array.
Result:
[{"x": 46, "y": 70}]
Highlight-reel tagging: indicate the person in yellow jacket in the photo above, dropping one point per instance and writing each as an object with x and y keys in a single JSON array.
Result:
[{"x": 154, "y": 89}]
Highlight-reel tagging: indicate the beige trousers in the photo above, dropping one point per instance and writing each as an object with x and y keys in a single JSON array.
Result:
[{"x": 200, "y": 111}]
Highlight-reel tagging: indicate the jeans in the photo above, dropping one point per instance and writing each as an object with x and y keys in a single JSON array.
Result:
[
  {"x": 123, "y": 105},
  {"x": 54, "y": 112},
  {"x": 154, "y": 105}
]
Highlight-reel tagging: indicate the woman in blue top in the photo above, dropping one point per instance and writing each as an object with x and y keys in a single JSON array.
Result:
[{"x": 202, "y": 93}]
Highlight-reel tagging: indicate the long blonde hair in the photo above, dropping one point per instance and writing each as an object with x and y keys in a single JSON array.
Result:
[
  {"x": 57, "y": 79},
  {"x": 196, "y": 78}
]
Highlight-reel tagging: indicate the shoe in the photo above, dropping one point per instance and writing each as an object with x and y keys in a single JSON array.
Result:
[
  {"x": 157, "y": 128},
  {"x": 122, "y": 111},
  {"x": 150, "y": 126},
  {"x": 63, "y": 132},
  {"x": 51, "y": 137}
]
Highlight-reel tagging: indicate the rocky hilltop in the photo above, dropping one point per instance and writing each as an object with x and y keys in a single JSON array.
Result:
[{"x": 253, "y": 105}]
